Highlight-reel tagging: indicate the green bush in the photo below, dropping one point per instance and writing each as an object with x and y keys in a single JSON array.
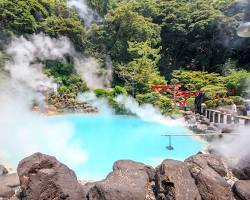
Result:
[
  {"x": 214, "y": 103},
  {"x": 237, "y": 82},
  {"x": 214, "y": 91},
  {"x": 110, "y": 96},
  {"x": 102, "y": 92},
  {"x": 118, "y": 90},
  {"x": 64, "y": 74},
  {"x": 156, "y": 99},
  {"x": 236, "y": 99}
]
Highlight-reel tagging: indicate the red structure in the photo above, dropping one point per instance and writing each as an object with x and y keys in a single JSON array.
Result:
[{"x": 180, "y": 96}]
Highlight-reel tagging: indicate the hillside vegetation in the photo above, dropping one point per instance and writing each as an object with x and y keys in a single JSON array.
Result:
[{"x": 149, "y": 42}]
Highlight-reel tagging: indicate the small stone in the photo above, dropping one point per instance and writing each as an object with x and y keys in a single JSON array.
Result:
[
  {"x": 6, "y": 192},
  {"x": 3, "y": 170}
]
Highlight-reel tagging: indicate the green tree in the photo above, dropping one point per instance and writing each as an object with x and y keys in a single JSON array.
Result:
[
  {"x": 142, "y": 71},
  {"x": 125, "y": 25},
  {"x": 237, "y": 82},
  {"x": 49, "y": 16},
  {"x": 195, "y": 34},
  {"x": 195, "y": 80},
  {"x": 69, "y": 82}
]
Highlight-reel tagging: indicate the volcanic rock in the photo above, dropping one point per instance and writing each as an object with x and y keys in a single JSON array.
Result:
[
  {"x": 207, "y": 160},
  {"x": 214, "y": 129},
  {"x": 127, "y": 182},
  {"x": 242, "y": 169},
  {"x": 174, "y": 182},
  {"x": 132, "y": 165},
  {"x": 44, "y": 177},
  {"x": 3, "y": 170},
  {"x": 200, "y": 128},
  {"x": 226, "y": 128},
  {"x": 205, "y": 121},
  {"x": 242, "y": 189},
  {"x": 208, "y": 172}
]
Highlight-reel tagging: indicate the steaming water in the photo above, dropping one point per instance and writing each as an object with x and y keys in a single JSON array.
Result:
[{"x": 110, "y": 138}]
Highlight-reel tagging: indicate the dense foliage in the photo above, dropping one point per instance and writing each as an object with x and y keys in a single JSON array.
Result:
[
  {"x": 69, "y": 82},
  {"x": 33, "y": 16},
  {"x": 110, "y": 95},
  {"x": 149, "y": 42}
]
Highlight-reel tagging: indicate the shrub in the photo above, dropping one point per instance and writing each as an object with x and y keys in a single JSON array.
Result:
[
  {"x": 236, "y": 99},
  {"x": 110, "y": 95},
  {"x": 156, "y": 99},
  {"x": 70, "y": 83},
  {"x": 102, "y": 92},
  {"x": 190, "y": 103},
  {"x": 119, "y": 90},
  {"x": 214, "y": 103}
]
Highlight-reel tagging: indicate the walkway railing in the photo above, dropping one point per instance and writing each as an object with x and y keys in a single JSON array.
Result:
[{"x": 216, "y": 116}]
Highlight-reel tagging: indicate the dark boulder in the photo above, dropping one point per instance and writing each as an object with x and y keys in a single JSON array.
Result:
[
  {"x": 191, "y": 120},
  {"x": 190, "y": 117},
  {"x": 44, "y": 177},
  {"x": 200, "y": 128},
  {"x": 208, "y": 172},
  {"x": 174, "y": 182},
  {"x": 122, "y": 184},
  {"x": 242, "y": 189},
  {"x": 205, "y": 121},
  {"x": 3, "y": 170},
  {"x": 226, "y": 128},
  {"x": 212, "y": 186},
  {"x": 132, "y": 165},
  {"x": 213, "y": 128},
  {"x": 127, "y": 164},
  {"x": 242, "y": 169},
  {"x": 207, "y": 160}
]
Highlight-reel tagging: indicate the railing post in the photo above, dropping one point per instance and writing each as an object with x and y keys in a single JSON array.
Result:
[
  {"x": 229, "y": 119},
  {"x": 222, "y": 118},
  {"x": 211, "y": 118},
  {"x": 236, "y": 120},
  {"x": 219, "y": 117},
  {"x": 216, "y": 117}
]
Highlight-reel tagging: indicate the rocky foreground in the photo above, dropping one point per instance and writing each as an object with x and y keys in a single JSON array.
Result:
[{"x": 203, "y": 176}]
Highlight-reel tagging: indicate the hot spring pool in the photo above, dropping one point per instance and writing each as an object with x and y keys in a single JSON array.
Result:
[{"x": 109, "y": 138}]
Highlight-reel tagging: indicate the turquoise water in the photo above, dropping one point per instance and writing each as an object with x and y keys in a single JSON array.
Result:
[{"x": 110, "y": 138}]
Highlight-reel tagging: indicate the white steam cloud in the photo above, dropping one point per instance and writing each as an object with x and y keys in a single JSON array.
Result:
[
  {"x": 234, "y": 147},
  {"x": 23, "y": 66},
  {"x": 100, "y": 103},
  {"x": 86, "y": 13},
  {"x": 22, "y": 131},
  {"x": 146, "y": 112},
  {"x": 26, "y": 53},
  {"x": 90, "y": 71}
]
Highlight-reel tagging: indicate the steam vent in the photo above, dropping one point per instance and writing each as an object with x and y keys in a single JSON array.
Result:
[{"x": 124, "y": 100}]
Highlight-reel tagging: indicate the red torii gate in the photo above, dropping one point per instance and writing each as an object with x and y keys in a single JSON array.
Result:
[{"x": 176, "y": 92}]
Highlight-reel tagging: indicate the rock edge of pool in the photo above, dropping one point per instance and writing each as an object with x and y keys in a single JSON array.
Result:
[{"x": 202, "y": 176}]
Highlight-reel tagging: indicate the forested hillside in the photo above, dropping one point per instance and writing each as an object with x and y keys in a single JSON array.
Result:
[{"x": 149, "y": 42}]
